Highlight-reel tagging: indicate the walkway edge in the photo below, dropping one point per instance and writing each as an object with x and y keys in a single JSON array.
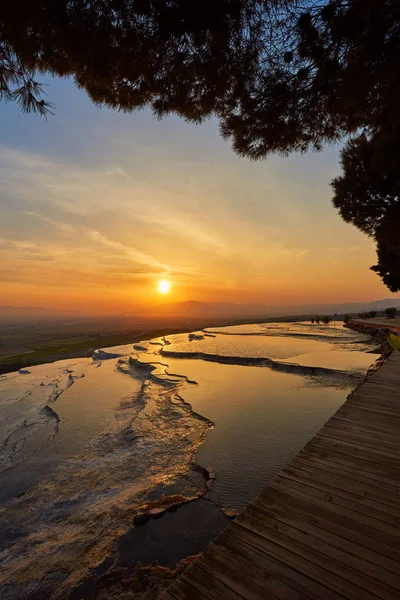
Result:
[{"x": 328, "y": 526}]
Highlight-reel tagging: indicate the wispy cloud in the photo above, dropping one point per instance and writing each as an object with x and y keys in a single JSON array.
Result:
[
  {"x": 129, "y": 252},
  {"x": 61, "y": 226},
  {"x": 292, "y": 252},
  {"x": 115, "y": 227},
  {"x": 44, "y": 264},
  {"x": 180, "y": 225},
  {"x": 119, "y": 249},
  {"x": 89, "y": 192}
]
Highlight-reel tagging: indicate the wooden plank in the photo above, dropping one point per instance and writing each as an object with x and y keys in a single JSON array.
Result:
[
  {"x": 369, "y": 399},
  {"x": 349, "y": 407},
  {"x": 369, "y": 395},
  {"x": 376, "y": 409},
  {"x": 244, "y": 577},
  {"x": 380, "y": 520},
  {"x": 315, "y": 548},
  {"x": 340, "y": 455},
  {"x": 183, "y": 589},
  {"x": 372, "y": 441},
  {"x": 377, "y": 457},
  {"x": 352, "y": 412},
  {"x": 333, "y": 513},
  {"x": 168, "y": 596},
  {"x": 252, "y": 547},
  {"x": 346, "y": 487},
  {"x": 358, "y": 537},
  {"x": 371, "y": 383},
  {"x": 364, "y": 426},
  {"x": 207, "y": 584},
  {"x": 369, "y": 443},
  {"x": 328, "y": 526},
  {"x": 355, "y": 411},
  {"x": 291, "y": 553},
  {"x": 331, "y": 467}
]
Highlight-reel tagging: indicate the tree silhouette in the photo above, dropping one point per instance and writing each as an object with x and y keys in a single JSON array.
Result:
[
  {"x": 279, "y": 75},
  {"x": 368, "y": 195},
  {"x": 388, "y": 252}
]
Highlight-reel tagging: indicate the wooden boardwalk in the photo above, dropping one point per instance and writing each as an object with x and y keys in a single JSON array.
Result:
[{"x": 328, "y": 526}]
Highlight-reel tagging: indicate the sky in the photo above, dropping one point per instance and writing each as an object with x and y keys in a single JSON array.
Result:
[{"x": 97, "y": 206}]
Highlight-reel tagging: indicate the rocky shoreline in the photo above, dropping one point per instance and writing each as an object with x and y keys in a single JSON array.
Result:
[{"x": 378, "y": 331}]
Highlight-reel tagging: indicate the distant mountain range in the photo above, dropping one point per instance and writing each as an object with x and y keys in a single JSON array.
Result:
[
  {"x": 29, "y": 311},
  {"x": 220, "y": 310},
  {"x": 215, "y": 310}
]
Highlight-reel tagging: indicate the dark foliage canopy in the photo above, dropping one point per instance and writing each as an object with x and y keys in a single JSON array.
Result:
[
  {"x": 388, "y": 251},
  {"x": 368, "y": 195},
  {"x": 280, "y": 76}
]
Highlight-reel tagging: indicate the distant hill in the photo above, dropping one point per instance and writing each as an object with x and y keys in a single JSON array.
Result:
[
  {"x": 28, "y": 311},
  {"x": 195, "y": 309},
  {"x": 208, "y": 310},
  {"x": 382, "y": 304}
]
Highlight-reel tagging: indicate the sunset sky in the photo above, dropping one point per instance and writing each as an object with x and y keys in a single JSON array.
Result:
[{"x": 97, "y": 207}]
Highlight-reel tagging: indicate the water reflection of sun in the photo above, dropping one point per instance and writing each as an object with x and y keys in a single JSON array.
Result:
[{"x": 164, "y": 286}]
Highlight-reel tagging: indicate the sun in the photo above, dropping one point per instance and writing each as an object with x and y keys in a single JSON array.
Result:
[{"x": 164, "y": 286}]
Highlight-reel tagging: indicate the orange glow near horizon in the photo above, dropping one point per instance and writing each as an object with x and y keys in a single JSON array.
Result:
[{"x": 103, "y": 212}]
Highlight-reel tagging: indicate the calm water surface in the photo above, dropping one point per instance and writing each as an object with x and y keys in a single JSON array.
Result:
[{"x": 85, "y": 444}]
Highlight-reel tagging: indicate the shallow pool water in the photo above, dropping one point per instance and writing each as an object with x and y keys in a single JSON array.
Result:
[{"x": 87, "y": 444}]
